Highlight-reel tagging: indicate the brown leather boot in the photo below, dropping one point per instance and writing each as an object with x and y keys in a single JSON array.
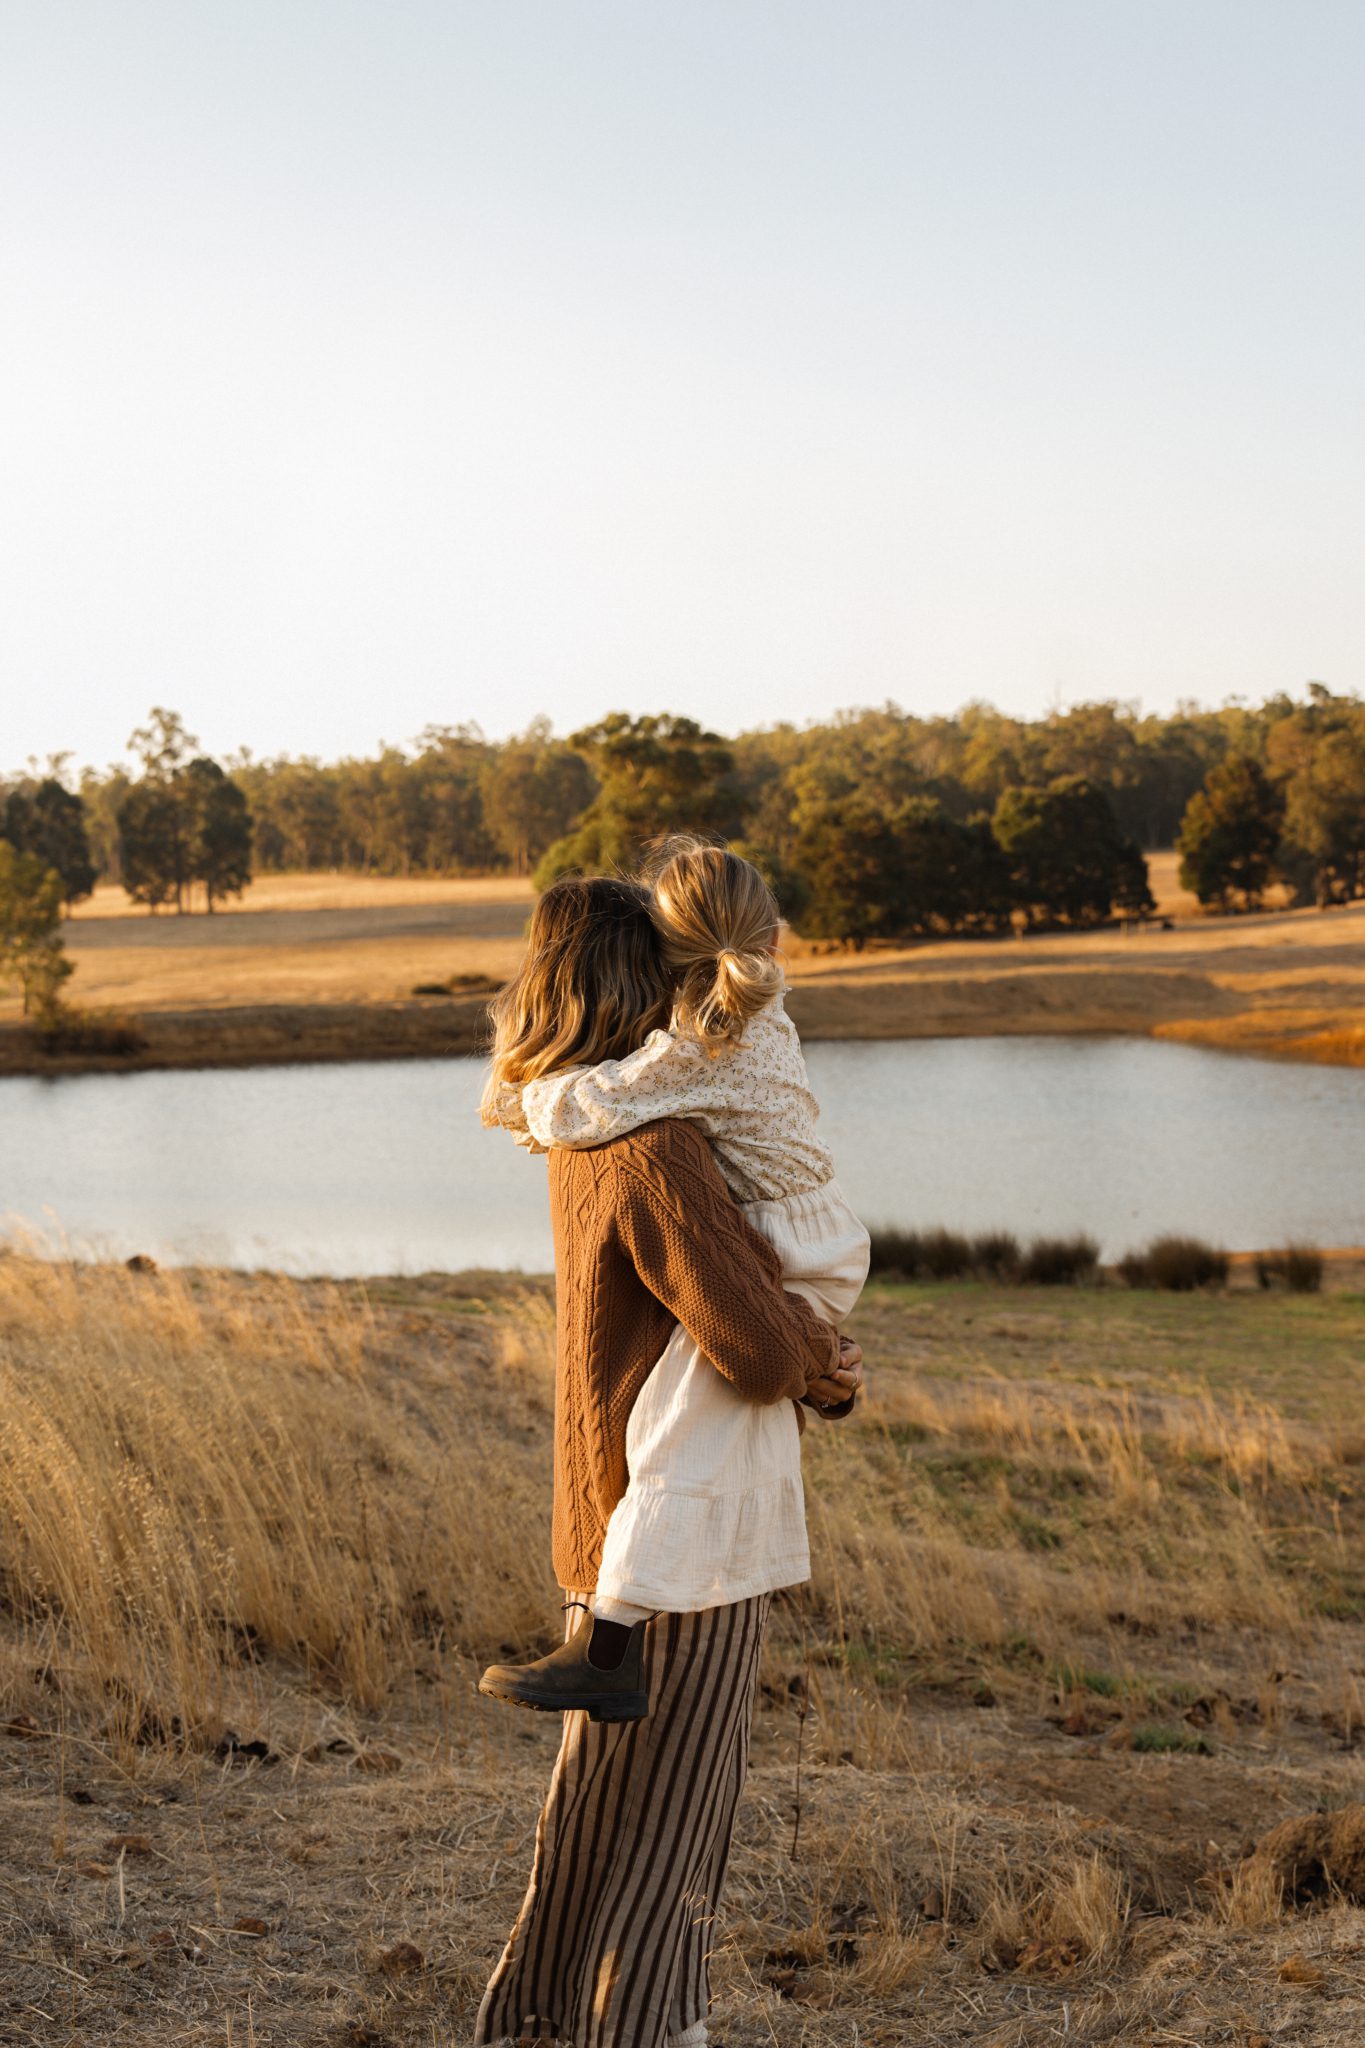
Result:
[{"x": 568, "y": 1681}]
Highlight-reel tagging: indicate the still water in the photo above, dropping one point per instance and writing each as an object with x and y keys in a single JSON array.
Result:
[{"x": 383, "y": 1167}]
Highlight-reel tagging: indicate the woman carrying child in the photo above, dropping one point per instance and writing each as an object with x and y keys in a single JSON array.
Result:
[{"x": 689, "y": 1332}]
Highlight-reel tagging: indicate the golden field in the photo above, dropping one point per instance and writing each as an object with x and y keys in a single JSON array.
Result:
[
  {"x": 1087, "y": 1621},
  {"x": 324, "y": 967}
]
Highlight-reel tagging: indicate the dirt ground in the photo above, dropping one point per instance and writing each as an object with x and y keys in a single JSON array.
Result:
[{"x": 1006, "y": 1809}]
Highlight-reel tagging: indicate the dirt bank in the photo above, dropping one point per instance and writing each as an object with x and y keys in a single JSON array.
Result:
[
  {"x": 262, "y": 1034},
  {"x": 316, "y": 970}
]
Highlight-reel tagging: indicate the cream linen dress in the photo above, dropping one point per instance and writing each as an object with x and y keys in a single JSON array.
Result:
[{"x": 714, "y": 1510}]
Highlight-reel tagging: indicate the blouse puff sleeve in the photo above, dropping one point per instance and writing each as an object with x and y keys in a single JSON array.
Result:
[{"x": 585, "y": 1106}]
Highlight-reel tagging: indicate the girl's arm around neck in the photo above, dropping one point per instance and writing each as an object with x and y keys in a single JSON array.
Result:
[{"x": 585, "y": 1106}]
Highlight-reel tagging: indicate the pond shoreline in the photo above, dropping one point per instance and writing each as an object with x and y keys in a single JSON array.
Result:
[{"x": 1059, "y": 1003}]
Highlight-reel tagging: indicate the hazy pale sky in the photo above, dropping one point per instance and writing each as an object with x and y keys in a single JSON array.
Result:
[{"x": 368, "y": 365}]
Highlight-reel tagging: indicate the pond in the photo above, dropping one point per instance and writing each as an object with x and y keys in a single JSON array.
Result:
[{"x": 383, "y": 1167}]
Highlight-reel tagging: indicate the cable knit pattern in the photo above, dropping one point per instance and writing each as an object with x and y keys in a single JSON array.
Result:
[{"x": 646, "y": 1236}]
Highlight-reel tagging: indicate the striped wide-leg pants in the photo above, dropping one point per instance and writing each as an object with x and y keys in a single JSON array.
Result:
[{"x": 613, "y": 1941}]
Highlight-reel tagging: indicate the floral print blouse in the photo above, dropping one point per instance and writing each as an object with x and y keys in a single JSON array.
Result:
[{"x": 751, "y": 1098}]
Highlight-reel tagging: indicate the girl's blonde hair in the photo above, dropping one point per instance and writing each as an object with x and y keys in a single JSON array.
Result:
[
  {"x": 717, "y": 919},
  {"x": 592, "y": 987}
]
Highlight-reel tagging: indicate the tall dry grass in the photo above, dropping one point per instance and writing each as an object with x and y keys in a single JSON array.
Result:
[
  {"x": 197, "y": 1470},
  {"x": 219, "y": 1493},
  {"x": 194, "y": 1470}
]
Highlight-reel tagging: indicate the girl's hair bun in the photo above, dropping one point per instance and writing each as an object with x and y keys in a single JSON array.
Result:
[{"x": 718, "y": 921}]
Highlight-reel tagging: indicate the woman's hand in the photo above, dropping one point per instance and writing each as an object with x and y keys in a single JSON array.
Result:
[
  {"x": 850, "y": 1362},
  {"x": 835, "y": 1389}
]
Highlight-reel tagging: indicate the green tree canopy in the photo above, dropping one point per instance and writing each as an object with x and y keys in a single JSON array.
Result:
[
  {"x": 151, "y": 844},
  {"x": 533, "y": 788},
  {"x": 1065, "y": 851},
  {"x": 216, "y": 823},
  {"x": 1230, "y": 832},
  {"x": 848, "y": 858},
  {"x": 868, "y": 872},
  {"x": 186, "y": 821},
  {"x": 48, "y": 820},
  {"x": 654, "y": 775},
  {"x": 1316, "y": 753},
  {"x": 31, "y": 950}
]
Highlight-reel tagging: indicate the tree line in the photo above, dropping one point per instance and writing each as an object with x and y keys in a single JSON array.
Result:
[{"x": 876, "y": 824}]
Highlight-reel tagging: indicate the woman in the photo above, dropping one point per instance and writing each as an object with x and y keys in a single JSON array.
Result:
[{"x": 611, "y": 1947}]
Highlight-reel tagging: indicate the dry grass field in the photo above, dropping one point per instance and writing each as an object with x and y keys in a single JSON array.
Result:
[
  {"x": 325, "y": 967},
  {"x": 1087, "y": 1623}
]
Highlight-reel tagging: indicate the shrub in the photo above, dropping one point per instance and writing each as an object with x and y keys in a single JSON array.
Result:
[
  {"x": 1298, "y": 1267},
  {"x": 946, "y": 1255},
  {"x": 456, "y": 985},
  {"x": 64, "y": 1029},
  {"x": 1060, "y": 1261},
  {"x": 1178, "y": 1264},
  {"x": 996, "y": 1255},
  {"x": 896, "y": 1254},
  {"x": 992, "y": 1255}
]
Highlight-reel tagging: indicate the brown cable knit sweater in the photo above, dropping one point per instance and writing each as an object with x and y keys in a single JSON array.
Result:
[{"x": 647, "y": 1235}]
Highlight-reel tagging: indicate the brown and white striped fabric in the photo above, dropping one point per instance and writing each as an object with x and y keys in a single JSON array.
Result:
[{"x": 613, "y": 1942}]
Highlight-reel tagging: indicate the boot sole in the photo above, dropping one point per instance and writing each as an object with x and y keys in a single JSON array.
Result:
[{"x": 621, "y": 1706}]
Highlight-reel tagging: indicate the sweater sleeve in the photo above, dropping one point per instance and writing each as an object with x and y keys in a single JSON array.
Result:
[{"x": 713, "y": 1272}]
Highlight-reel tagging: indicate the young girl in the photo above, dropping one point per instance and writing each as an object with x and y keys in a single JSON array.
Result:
[{"x": 714, "y": 1510}]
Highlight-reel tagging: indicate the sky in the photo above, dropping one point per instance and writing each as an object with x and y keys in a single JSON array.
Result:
[{"x": 372, "y": 364}]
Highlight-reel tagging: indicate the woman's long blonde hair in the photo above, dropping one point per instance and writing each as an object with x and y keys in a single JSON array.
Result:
[
  {"x": 592, "y": 987},
  {"x": 718, "y": 920}
]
